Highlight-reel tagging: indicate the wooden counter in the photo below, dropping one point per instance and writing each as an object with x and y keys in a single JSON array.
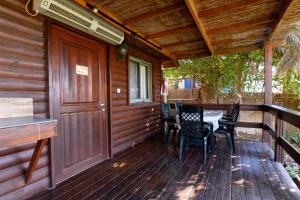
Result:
[{"x": 20, "y": 130}]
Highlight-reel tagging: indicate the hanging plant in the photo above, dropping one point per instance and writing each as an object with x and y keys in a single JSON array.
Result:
[{"x": 122, "y": 51}]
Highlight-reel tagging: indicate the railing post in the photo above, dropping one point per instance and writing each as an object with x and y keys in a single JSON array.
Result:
[
  {"x": 278, "y": 157},
  {"x": 267, "y": 118}
]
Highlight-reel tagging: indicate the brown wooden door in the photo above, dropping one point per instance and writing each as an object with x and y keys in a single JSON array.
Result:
[{"x": 78, "y": 100}]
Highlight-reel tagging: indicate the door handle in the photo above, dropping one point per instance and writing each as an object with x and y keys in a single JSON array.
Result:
[{"x": 102, "y": 105}]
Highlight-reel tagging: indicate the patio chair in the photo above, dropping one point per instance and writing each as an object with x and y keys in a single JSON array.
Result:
[
  {"x": 227, "y": 127},
  {"x": 229, "y": 115},
  {"x": 169, "y": 121},
  {"x": 193, "y": 130},
  {"x": 177, "y": 105}
]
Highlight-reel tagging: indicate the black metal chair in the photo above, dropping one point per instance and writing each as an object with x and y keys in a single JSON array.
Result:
[
  {"x": 228, "y": 116},
  {"x": 193, "y": 130},
  {"x": 177, "y": 105},
  {"x": 169, "y": 121},
  {"x": 227, "y": 126}
]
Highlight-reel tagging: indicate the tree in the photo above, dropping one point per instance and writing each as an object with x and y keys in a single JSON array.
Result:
[
  {"x": 290, "y": 52},
  {"x": 289, "y": 63},
  {"x": 218, "y": 72}
]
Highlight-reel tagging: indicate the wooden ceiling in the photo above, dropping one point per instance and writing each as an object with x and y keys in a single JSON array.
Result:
[{"x": 179, "y": 29}]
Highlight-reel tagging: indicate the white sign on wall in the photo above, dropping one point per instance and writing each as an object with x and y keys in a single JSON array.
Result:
[{"x": 82, "y": 70}]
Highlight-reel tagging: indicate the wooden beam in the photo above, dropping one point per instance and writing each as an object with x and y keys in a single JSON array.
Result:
[
  {"x": 211, "y": 12},
  {"x": 175, "y": 44},
  {"x": 115, "y": 21},
  {"x": 249, "y": 24},
  {"x": 290, "y": 149},
  {"x": 157, "y": 12},
  {"x": 191, "y": 51},
  {"x": 170, "y": 32},
  {"x": 267, "y": 118},
  {"x": 239, "y": 49},
  {"x": 196, "y": 55},
  {"x": 287, "y": 5},
  {"x": 193, "y": 10}
]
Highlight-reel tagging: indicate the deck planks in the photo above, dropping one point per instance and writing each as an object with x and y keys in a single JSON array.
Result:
[{"x": 153, "y": 171}]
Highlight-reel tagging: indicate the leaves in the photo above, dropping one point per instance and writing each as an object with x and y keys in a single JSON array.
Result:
[
  {"x": 218, "y": 72},
  {"x": 290, "y": 53}
]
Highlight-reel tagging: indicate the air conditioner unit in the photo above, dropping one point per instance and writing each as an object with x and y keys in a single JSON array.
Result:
[{"x": 72, "y": 14}]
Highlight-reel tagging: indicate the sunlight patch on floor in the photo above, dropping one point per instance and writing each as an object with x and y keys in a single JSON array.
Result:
[{"x": 119, "y": 165}]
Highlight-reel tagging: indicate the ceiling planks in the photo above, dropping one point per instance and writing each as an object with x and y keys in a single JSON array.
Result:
[
  {"x": 225, "y": 26},
  {"x": 193, "y": 10},
  {"x": 287, "y": 4},
  {"x": 227, "y": 7},
  {"x": 158, "y": 12},
  {"x": 244, "y": 25},
  {"x": 247, "y": 48},
  {"x": 108, "y": 16},
  {"x": 170, "y": 31}
]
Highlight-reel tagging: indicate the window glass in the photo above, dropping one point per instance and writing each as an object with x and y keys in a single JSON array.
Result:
[
  {"x": 140, "y": 80},
  {"x": 134, "y": 80}
]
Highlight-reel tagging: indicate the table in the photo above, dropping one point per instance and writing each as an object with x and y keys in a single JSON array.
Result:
[
  {"x": 210, "y": 116},
  {"x": 20, "y": 130},
  {"x": 213, "y": 117}
]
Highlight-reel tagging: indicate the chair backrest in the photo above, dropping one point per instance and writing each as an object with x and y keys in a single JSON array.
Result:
[
  {"x": 191, "y": 119},
  {"x": 234, "y": 116},
  {"x": 166, "y": 109},
  {"x": 233, "y": 107},
  {"x": 235, "y": 112},
  {"x": 177, "y": 105}
]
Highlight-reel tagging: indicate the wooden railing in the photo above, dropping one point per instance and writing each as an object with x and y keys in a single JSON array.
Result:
[{"x": 281, "y": 114}]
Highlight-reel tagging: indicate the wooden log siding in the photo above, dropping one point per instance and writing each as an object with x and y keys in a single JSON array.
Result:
[
  {"x": 22, "y": 74},
  {"x": 133, "y": 123}
]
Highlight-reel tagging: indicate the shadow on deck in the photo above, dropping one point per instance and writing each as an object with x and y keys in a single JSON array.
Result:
[{"x": 153, "y": 171}]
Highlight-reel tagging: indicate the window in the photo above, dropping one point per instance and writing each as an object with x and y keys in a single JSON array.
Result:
[{"x": 140, "y": 80}]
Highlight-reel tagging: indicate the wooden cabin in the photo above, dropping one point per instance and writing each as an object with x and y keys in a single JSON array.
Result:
[{"x": 107, "y": 105}]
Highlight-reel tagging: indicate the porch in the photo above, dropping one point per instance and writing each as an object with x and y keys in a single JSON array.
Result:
[
  {"x": 152, "y": 170},
  {"x": 86, "y": 87}
]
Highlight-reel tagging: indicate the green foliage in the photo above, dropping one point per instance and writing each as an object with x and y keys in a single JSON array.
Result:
[
  {"x": 218, "y": 72},
  {"x": 244, "y": 71},
  {"x": 290, "y": 52},
  {"x": 291, "y": 83},
  {"x": 292, "y": 171},
  {"x": 293, "y": 137},
  {"x": 289, "y": 63}
]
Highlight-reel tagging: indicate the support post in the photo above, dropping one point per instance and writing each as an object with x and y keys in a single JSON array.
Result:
[
  {"x": 267, "y": 118},
  {"x": 278, "y": 157},
  {"x": 35, "y": 158}
]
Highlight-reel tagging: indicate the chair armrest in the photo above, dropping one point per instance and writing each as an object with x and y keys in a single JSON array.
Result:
[
  {"x": 225, "y": 123},
  {"x": 226, "y": 117},
  {"x": 209, "y": 126}
]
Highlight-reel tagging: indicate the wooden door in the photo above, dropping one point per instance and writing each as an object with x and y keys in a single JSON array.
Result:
[{"x": 78, "y": 100}]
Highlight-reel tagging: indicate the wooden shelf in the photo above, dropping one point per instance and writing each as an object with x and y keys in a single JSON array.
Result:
[{"x": 21, "y": 130}]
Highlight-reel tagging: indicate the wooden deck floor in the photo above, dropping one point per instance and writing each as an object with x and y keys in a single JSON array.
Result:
[{"x": 153, "y": 171}]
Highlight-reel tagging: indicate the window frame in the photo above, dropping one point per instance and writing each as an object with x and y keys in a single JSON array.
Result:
[{"x": 149, "y": 80}]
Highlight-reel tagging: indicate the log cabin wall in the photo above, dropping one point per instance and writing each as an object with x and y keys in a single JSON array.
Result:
[
  {"x": 23, "y": 73},
  {"x": 132, "y": 123}
]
